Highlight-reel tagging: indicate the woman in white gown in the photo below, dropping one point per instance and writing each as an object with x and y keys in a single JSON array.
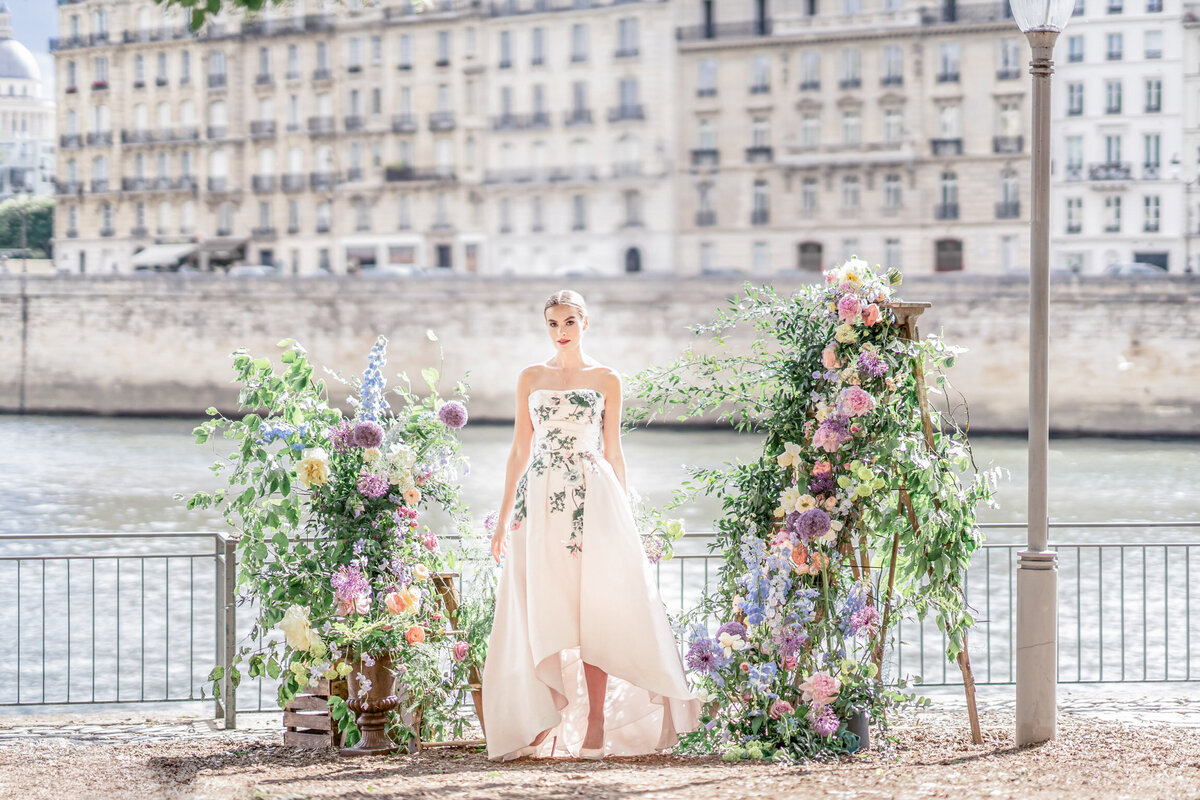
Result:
[{"x": 581, "y": 659}]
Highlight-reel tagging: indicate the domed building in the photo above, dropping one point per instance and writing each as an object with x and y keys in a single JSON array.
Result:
[{"x": 26, "y": 119}]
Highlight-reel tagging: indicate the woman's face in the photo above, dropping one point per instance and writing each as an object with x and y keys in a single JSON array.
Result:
[{"x": 566, "y": 325}]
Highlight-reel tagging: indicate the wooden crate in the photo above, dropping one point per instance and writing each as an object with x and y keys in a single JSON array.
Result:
[{"x": 306, "y": 718}]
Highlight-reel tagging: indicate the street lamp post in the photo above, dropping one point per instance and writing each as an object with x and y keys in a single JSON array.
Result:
[{"x": 1037, "y": 571}]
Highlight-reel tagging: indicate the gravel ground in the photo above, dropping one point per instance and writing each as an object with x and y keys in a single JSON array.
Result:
[{"x": 933, "y": 757}]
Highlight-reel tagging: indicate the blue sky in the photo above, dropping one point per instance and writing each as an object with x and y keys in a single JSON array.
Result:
[{"x": 34, "y": 22}]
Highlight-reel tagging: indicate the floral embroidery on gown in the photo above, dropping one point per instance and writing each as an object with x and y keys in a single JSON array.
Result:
[{"x": 576, "y": 587}]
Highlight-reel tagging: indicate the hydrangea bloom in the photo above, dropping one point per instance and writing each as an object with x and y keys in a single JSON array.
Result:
[{"x": 733, "y": 629}]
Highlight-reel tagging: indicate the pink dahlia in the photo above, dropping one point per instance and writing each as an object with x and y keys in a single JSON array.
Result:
[
  {"x": 849, "y": 308},
  {"x": 856, "y": 401}
]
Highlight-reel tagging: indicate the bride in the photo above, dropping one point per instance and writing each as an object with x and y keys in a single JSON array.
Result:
[{"x": 581, "y": 658}]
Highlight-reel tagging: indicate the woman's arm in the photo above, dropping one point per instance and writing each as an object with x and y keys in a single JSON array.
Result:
[
  {"x": 518, "y": 457},
  {"x": 612, "y": 426}
]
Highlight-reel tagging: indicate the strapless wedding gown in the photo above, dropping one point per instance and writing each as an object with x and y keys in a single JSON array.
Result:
[{"x": 577, "y": 587}]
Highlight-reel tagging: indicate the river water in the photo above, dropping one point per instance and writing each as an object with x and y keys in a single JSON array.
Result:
[{"x": 142, "y": 628}]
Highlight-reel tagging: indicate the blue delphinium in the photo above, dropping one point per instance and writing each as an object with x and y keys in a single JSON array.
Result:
[{"x": 371, "y": 400}]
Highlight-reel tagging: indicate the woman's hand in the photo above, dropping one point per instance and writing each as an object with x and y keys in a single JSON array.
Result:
[{"x": 500, "y": 540}]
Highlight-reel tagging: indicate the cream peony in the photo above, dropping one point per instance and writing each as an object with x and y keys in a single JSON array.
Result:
[
  {"x": 313, "y": 469},
  {"x": 297, "y": 628},
  {"x": 790, "y": 457}
]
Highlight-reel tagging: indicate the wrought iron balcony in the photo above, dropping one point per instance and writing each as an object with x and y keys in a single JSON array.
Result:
[
  {"x": 354, "y": 122},
  {"x": 891, "y": 80},
  {"x": 264, "y": 232},
  {"x": 1008, "y": 74},
  {"x": 404, "y": 123},
  {"x": 322, "y": 181},
  {"x": 1151, "y": 172},
  {"x": 142, "y": 136},
  {"x": 706, "y": 219},
  {"x": 760, "y": 216},
  {"x": 292, "y": 182},
  {"x": 99, "y": 138},
  {"x": 322, "y": 74},
  {"x": 134, "y": 184},
  {"x": 217, "y": 81},
  {"x": 218, "y": 184},
  {"x": 577, "y": 116},
  {"x": 68, "y": 187},
  {"x": 264, "y": 79},
  {"x": 70, "y": 141},
  {"x": 758, "y": 155},
  {"x": 1110, "y": 171},
  {"x": 1074, "y": 227},
  {"x": 946, "y": 147},
  {"x": 1008, "y": 209},
  {"x": 262, "y": 183},
  {"x": 810, "y": 86},
  {"x": 945, "y": 211},
  {"x": 706, "y": 157},
  {"x": 262, "y": 129},
  {"x": 321, "y": 126},
  {"x": 403, "y": 174},
  {"x": 626, "y": 112},
  {"x": 1008, "y": 144},
  {"x": 725, "y": 30},
  {"x": 948, "y": 77},
  {"x": 850, "y": 83},
  {"x": 441, "y": 121},
  {"x": 217, "y": 131},
  {"x": 138, "y": 231}
]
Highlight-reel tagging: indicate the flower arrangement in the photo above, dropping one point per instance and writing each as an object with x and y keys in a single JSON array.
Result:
[
  {"x": 810, "y": 582},
  {"x": 333, "y": 552}
]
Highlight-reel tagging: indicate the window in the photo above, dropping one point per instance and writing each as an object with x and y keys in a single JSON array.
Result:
[
  {"x": 851, "y": 128},
  {"x": 760, "y": 257},
  {"x": 810, "y": 131},
  {"x": 324, "y": 216},
  {"x": 851, "y": 69},
  {"x": 629, "y": 93},
  {"x": 948, "y": 121},
  {"x": 633, "y": 208},
  {"x": 216, "y": 64},
  {"x": 705, "y": 215},
  {"x": 539, "y": 98},
  {"x": 1010, "y": 59},
  {"x": 536, "y": 223},
  {"x": 851, "y": 7},
  {"x": 892, "y": 192},
  {"x": 538, "y": 47},
  {"x": 761, "y": 214},
  {"x": 264, "y": 214},
  {"x": 264, "y": 62},
  {"x": 1010, "y": 188},
  {"x": 1115, "y": 46},
  {"x": 376, "y": 49},
  {"x": 579, "y": 212},
  {"x": 850, "y": 193},
  {"x": 1153, "y": 95},
  {"x": 949, "y": 255},
  {"x": 1075, "y": 49},
  {"x": 810, "y": 71},
  {"x": 849, "y": 248},
  {"x": 354, "y": 54},
  {"x": 164, "y": 218},
  {"x": 443, "y": 48},
  {"x": 403, "y": 212},
  {"x": 579, "y": 42},
  {"x": 707, "y": 257},
  {"x": 1154, "y": 40},
  {"x": 627, "y": 36},
  {"x": 1008, "y": 253},
  {"x": 139, "y": 70},
  {"x": 185, "y": 67},
  {"x": 706, "y": 78},
  {"x": 760, "y": 75},
  {"x": 187, "y": 217},
  {"x": 1150, "y": 206},
  {"x": 100, "y": 70},
  {"x": 706, "y": 135},
  {"x": 225, "y": 219},
  {"x": 469, "y": 48},
  {"x": 893, "y": 66},
  {"x": 893, "y": 126},
  {"x": 812, "y": 258},
  {"x": 443, "y": 98},
  {"x": 362, "y": 215},
  {"x": 106, "y": 219},
  {"x": 948, "y": 195},
  {"x": 1074, "y": 158},
  {"x": 891, "y": 254},
  {"x": 579, "y": 96},
  {"x": 1112, "y": 97},
  {"x": 1112, "y": 214},
  {"x": 1074, "y": 99},
  {"x": 1152, "y": 153},
  {"x": 1112, "y": 148},
  {"x": 505, "y": 49},
  {"x": 293, "y": 61},
  {"x": 139, "y": 217},
  {"x": 948, "y": 63},
  {"x": 376, "y": 100},
  {"x": 405, "y": 54},
  {"x": 1074, "y": 214},
  {"x": 760, "y": 132}
]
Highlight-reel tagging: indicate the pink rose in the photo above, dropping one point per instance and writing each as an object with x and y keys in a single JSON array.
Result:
[
  {"x": 870, "y": 315},
  {"x": 430, "y": 541},
  {"x": 829, "y": 358},
  {"x": 790, "y": 662},
  {"x": 849, "y": 308},
  {"x": 856, "y": 401},
  {"x": 820, "y": 689},
  {"x": 460, "y": 651},
  {"x": 827, "y": 439},
  {"x": 359, "y": 605},
  {"x": 779, "y": 708}
]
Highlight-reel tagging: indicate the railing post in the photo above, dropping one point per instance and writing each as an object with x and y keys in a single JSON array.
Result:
[
  {"x": 219, "y": 618},
  {"x": 228, "y": 594}
]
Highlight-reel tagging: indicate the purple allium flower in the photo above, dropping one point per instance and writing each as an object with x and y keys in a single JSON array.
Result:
[
  {"x": 370, "y": 485},
  {"x": 341, "y": 438},
  {"x": 453, "y": 414},
  {"x": 349, "y": 584},
  {"x": 811, "y": 524},
  {"x": 368, "y": 434},
  {"x": 705, "y": 657},
  {"x": 865, "y": 620},
  {"x": 826, "y": 723},
  {"x": 822, "y": 483},
  {"x": 733, "y": 629},
  {"x": 869, "y": 363}
]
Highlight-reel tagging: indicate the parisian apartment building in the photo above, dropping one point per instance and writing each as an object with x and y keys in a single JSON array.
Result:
[{"x": 601, "y": 137}]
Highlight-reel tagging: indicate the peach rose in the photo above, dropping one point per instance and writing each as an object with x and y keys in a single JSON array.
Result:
[
  {"x": 800, "y": 557},
  {"x": 406, "y": 599},
  {"x": 415, "y": 634},
  {"x": 412, "y": 496},
  {"x": 829, "y": 358},
  {"x": 870, "y": 315}
]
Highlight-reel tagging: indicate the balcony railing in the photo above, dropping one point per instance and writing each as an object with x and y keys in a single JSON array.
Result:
[
  {"x": 706, "y": 219},
  {"x": 263, "y": 183},
  {"x": 139, "y": 231},
  {"x": 948, "y": 77},
  {"x": 218, "y": 131},
  {"x": 400, "y": 174},
  {"x": 945, "y": 211},
  {"x": 1110, "y": 171},
  {"x": 99, "y": 138},
  {"x": 404, "y": 123},
  {"x": 263, "y": 232},
  {"x": 627, "y": 169},
  {"x": 1008, "y": 144},
  {"x": 321, "y": 126},
  {"x": 625, "y": 52},
  {"x": 760, "y": 216},
  {"x": 1008, "y": 74},
  {"x": 219, "y": 184},
  {"x": 1074, "y": 227},
  {"x": 134, "y": 184},
  {"x": 441, "y": 121},
  {"x": 1008, "y": 209},
  {"x": 264, "y": 79},
  {"x": 107, "y": 232},
  {"x": 1151, "y": 172},
  {"x": 217, "y": 81},
  {"x": 70, "y": 141},
  {"x": 891, "y": 80},
  {"x": 354, "y": 122},
  {"x": 758, "y": 155},
  {"x": 760, "y": 88},
  {"x": 626, "y": 112},
  {"x": 577, "y": 116},
  {"x": 292, "y": 183},
  {"x": 706, "y": 157},
  {"x": 322, "y": 181},
  {"x": 262, "y": 129},
  {"x": 946, "y": 147},
  {"x": 142, "y": 136},
  {"x": 354, "y": 174},
  {"x": 850, "y": 83},
  {"x": 322, "y": 74},
  {"x": 68, "y": 187},
  {"x": 725, "y": 30}
]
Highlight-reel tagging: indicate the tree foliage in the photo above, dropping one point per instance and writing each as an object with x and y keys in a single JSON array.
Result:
[{"x": 38, "y": 213}]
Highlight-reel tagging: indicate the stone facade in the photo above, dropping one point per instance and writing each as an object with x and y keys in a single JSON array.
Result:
[
  {"x": 1122, "y": 350},
  {"x": 335, "y": 137},
  {"x": 26, "y": 119}
]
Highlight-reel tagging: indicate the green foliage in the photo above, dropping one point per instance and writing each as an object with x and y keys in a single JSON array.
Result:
[
  {"x": 202, "y": 11},
  {"x": 843, "y": 442},
  {"x": 38, "y": 213}
]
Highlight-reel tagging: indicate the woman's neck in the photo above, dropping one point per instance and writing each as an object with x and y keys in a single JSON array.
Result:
[{"x": 572, "y": 360}]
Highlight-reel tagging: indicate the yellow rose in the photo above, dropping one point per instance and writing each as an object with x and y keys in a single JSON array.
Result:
[
  {"x": 420, "y": 572},
  {"x": 806, "y": 502},
  {"x": 297, "y": 628},
  {"x": 845, "y": 334},
  {"x": 371, "y": 455},
  {"x": 313, "y": 469}
]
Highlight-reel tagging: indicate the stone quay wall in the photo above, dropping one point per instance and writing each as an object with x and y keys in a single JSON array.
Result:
[{"x": 1125, "y": 352}]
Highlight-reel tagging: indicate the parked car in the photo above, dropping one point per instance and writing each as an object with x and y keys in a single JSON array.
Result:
[
  {"x": 251, "y": 270},
  {"x": 1134, "y": 268}
]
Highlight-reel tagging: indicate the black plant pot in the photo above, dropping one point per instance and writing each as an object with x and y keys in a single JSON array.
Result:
[{"x": 860, "y": 726}]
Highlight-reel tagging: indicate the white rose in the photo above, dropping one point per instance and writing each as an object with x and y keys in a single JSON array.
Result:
[{"x": 297, "y": 628}]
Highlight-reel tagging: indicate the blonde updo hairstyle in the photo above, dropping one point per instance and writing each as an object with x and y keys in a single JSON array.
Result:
[{"x": 566, "y": 297}]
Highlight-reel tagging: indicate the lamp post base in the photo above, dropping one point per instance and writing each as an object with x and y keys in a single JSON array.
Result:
[{"x": 1037, "y": 646}]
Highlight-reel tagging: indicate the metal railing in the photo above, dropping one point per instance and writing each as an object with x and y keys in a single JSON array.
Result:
[{"x": 144, "y": 617}]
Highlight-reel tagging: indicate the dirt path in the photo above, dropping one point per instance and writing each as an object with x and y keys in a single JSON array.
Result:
[{"x": 1090, "y": 758}]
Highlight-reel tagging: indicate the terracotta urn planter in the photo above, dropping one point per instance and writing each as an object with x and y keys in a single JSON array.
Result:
[{"x": 372, "y": 707}]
